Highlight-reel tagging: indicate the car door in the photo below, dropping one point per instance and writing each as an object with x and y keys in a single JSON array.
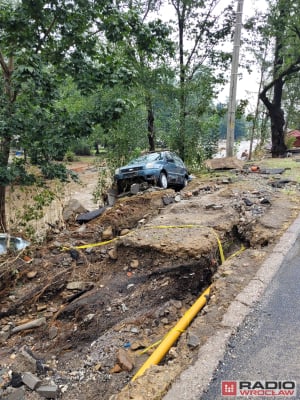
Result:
[
  {"x": 170, "y": 167},
  {"x": 180, "y": 169}
]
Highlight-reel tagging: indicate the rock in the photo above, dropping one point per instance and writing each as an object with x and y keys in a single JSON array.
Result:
[
  {"x": 173, "y": 353},
  {"x": 193, "y": 340},
  {"x": 81, "y": 229},
  {"x": 31, "y": 274},
  {"x": 134, "y": 188},
  {"x": 53, "y": 331},
  {"x": 134, "y": 264},
  {"x": 167, "y": 200},
  {"x": 41, "y": 307},
  {"x": 113, "y": 255},
  {"x": 107, "y": 234},
  {"x": 72, "y": 208},
  {"x": 24, "y": 357},
  {"x": 111, "y": 197},
  {"x": 124, "y": 307},
  {"x": 124, "y": 360},
  {"x": 217, "y": 207},
  {"x": 78, "y": 285},
  {"x": 4, "y": 335},
  {"x": 176, "y": 303},
  {"x": 75, "y": 255},
  {"x": 116, "y": 369},
  {"x": 177, "y": 198},
  {"x": 6, "y": 328},
  {"x": 16, "y": 380},
  {"x": 188, "y": 195},
  {"x": 97, "y": 367},
  {"x": 31, "y": 380},
  {"x": 18, "y": 394},
  {"x": 141, "y": 222},
  {"x": 89, "y": 317},
  {"x": 124, "y": 232},
  {"x": 137, "y": 345},
  {"x": 248, "y": 202},
  {"x": 49, "y": 391}
]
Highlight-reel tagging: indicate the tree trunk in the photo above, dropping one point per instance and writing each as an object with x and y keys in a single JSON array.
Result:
[
  {"x": 279, "y": 148},
  {"x": 276, "y": 115},
  {"x": 4, "y": 156},
  {"x": 151, "y": 132},
  {"x": 5, "y": 140},
  {"x": 2, "y": 209},
  {"x": 182, "y": 98}
]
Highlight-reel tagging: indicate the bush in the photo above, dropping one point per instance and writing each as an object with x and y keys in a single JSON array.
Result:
[
  {"x": 82, "y": 149},
  {"x": 70, "y": 156}
]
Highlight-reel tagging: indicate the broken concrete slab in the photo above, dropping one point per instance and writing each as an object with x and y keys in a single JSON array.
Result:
[
  {"x": 224, "y": 163},
  {"x": 18, "y": 394},
  {"x": 48, "y": 391},
  {"x": 31, "y": 380}
]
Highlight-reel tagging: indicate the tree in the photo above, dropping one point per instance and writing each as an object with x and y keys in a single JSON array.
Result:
[
  {"x": 148, "y": 52},
  {"x": 283, "y": 27},
  {"x": 200, "y": 33},
  {"x": 37, "y": 41},
  {"x": 42, "y": 44}
]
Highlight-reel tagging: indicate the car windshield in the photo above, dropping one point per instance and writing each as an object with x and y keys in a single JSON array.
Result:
[{"x": 146, "y": 158}]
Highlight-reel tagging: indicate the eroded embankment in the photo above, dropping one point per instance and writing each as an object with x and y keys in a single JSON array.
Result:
[{"x": 127, "y": 293}]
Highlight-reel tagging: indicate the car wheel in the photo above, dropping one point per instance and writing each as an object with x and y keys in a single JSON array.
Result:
[
  {"x": 163, "y": 181},
  {"x": 183, "y": 184},
  {"x": 120, "y": 186}
]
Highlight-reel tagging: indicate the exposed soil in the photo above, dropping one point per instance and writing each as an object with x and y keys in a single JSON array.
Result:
[{"x": 155, "y": 253}]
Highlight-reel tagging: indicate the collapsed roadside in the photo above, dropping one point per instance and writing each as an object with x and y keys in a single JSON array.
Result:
[{"x": 103, "y": 303}]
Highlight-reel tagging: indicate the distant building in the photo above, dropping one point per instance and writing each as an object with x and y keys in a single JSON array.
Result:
[{"x": 296, "y": 134}]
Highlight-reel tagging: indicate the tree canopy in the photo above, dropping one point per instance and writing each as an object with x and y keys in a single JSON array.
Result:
[{"x": 114, "y": 73}]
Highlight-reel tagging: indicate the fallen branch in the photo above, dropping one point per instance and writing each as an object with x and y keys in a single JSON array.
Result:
[{"x": 29, "y": 325}]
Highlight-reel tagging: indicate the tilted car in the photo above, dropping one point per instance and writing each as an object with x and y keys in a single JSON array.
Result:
[{"x": 162, "y": 168}]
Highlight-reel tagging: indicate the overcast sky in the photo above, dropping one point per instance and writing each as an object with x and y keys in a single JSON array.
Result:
[{"x": 248, "y": 85}]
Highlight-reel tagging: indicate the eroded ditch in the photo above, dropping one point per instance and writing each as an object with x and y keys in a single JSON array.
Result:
[{"x": 139, "y": 287}]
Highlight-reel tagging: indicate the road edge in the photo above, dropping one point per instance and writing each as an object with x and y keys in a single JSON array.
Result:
[{"x": 193, "y": 381}]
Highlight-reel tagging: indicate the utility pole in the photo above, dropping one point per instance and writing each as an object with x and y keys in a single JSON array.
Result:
[{"x": 233, "y": 80}]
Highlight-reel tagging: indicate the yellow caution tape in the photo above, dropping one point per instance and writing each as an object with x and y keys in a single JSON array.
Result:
[
  {"x": 88, "y": 246},
  {"x": 237, "y": 252},
  {"x": 190, "y": 226},
  {"x": 150, "y": 347}
]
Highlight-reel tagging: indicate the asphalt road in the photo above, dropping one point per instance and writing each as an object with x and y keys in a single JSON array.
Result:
[{"x": 266, "y": 346}]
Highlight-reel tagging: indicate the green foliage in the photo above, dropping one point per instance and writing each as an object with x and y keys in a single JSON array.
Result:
[
  {"x": 289, "y": 141},
  {"x": 59, "y": 171},
  {"x": 70, "y": 156},
  {"x": 103, "y": 183},
  {"x": 81, "y": 148},
  {"x": 16, "y": 173},
  {"x": 33, "y": 204}
]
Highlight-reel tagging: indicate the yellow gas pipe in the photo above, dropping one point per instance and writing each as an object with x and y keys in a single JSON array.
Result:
[{"x": 174, "y": 333}]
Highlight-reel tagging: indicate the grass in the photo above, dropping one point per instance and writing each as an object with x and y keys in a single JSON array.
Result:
[{"x": 292, "y": 167}]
